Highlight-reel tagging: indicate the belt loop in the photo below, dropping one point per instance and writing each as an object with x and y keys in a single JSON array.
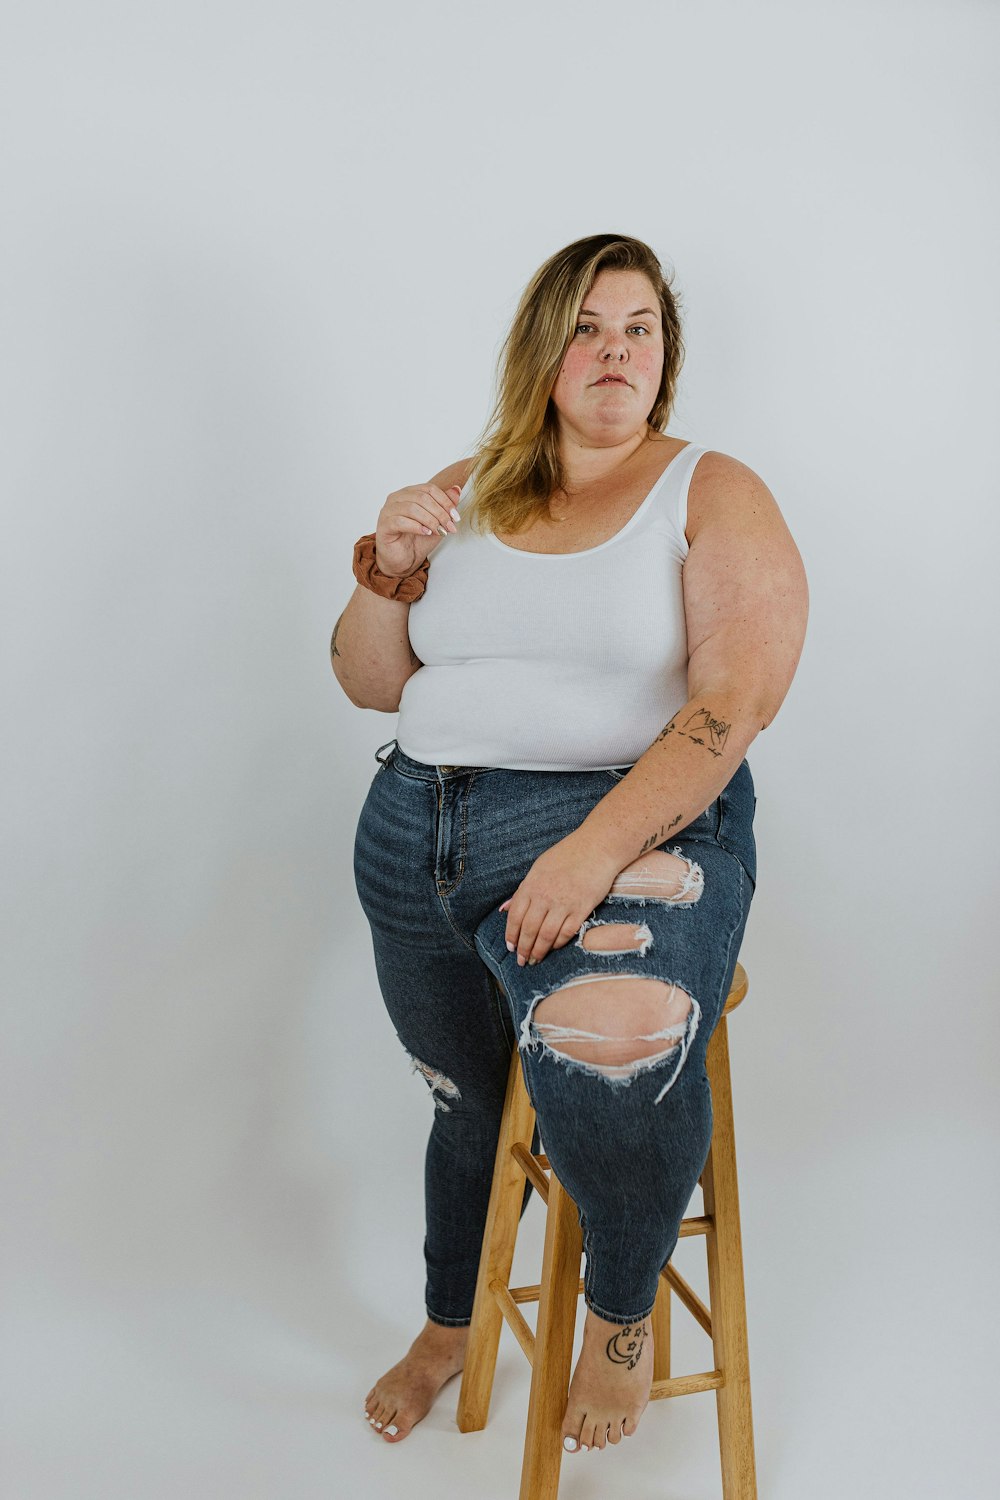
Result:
[{"x": 388, "y": 757}]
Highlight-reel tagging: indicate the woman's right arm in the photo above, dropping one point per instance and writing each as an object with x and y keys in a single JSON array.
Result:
[{"x": 370, "y": 649}]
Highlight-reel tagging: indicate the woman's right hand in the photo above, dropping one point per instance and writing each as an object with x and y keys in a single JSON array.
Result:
[{"x": 407, "y": 530}]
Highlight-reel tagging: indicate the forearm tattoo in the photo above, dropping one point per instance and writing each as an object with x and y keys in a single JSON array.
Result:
[
  {"x": 657, "y": 838},
  {"x": 624, "y": 1348},
  {"x": 702, "y": 728}
]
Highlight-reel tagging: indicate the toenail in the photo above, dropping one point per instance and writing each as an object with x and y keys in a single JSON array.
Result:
[
  {"x": 584, "y": 1448},
  {"x": 378, "y": 1424},
  {"x": 392, "y": 1428},
  {"x": 569, "y": 1443}
]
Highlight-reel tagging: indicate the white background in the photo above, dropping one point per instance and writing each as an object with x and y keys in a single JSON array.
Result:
[{"x": 257, "y": 262}]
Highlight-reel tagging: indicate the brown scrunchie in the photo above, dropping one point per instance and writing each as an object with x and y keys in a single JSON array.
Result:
[{"x": 407, "y": 588}]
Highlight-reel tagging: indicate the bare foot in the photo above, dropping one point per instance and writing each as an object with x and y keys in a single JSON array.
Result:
[
  {"x": 610, "y": 1387},
  {"x": 404, "y": 1394}
]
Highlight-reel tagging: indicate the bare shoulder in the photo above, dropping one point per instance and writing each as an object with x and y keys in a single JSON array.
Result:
[
  {"x": 456, "y": 473},
  {"x": 724, "y": 489}
]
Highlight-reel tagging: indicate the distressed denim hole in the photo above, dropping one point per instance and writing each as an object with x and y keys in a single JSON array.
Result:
[
  {"x": 659, "y": 876},
  {"x": 615, "y": 937},
  {"x": 440, "y": 1086},
  {"x": 614, "y": 1026}
]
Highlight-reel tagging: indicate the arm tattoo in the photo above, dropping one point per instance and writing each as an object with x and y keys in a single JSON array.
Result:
[
  {"x": 702, "y": 728},
  {"x": 657, "y": 838},
  {"x": 624, "y": 1348},
  {"x": 333, "y": 639}
]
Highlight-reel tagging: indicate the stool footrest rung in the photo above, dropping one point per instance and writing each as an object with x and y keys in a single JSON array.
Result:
[
  {"x": 531, "y": 1167},
  {"x": 685, "y": 1385},
  {"x": 689, "y": 1297},
  {"x": 532, "y": 1293},
  {"x": 514, "y": 1317},
  {"x": 700, "y": 1225}
]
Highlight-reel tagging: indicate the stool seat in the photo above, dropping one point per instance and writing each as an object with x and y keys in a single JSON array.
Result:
[{"x": 549, "y": 1349}]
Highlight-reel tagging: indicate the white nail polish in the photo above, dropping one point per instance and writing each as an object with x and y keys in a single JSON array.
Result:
[
  {"x": 510, "y": 947},
  {"x": 378, "y": 1426},
  {"x": 392, "y": 1428},
  {"x": 584, "y": 1448},
  {"x": 455, "y": 514},
  {"x": 569, "y": 1443}
]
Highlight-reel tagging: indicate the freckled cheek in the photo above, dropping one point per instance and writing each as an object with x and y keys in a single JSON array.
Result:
[{"x": 573, "y": 368}]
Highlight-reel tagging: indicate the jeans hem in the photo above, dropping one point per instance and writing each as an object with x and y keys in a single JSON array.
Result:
[
  {"x": 449, "y": 1322},
  {"x": 613, "y": 1317}
]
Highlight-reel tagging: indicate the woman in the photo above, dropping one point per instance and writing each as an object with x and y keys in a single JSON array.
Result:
[{"x": 583, "y": 627}]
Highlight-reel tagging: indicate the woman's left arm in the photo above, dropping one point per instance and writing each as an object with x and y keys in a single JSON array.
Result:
[{"x": 746, "y": 601}]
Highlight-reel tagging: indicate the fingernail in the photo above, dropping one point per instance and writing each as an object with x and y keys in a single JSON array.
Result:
[
  {"x": 392, "y": 1428},
  {"x": 510, "y": 947},
  {"x": 532, "y": 961},
  {"x": 520, "y": 959},
  {"x": 456, "y": 515},
  {"x": 569, "y": 1443}
]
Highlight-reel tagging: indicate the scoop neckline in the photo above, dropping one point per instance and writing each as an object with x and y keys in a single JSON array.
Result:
[{"x": 589, "y": 551}]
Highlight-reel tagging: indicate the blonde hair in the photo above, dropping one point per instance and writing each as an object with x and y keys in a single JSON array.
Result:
[{"x": 516, "y": 465}]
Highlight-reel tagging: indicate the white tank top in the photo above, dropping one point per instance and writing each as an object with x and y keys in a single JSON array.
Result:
[{"x": 537, "y": 661}]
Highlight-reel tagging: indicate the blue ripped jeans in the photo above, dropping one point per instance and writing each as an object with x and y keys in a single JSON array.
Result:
[{"x": 625, "y": 1112}]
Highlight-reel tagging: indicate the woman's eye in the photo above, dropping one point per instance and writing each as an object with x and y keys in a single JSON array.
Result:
[{"x": 634, "y": 325}]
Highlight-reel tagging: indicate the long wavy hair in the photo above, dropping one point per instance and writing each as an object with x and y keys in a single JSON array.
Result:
[{"x": 516, "y": 464}]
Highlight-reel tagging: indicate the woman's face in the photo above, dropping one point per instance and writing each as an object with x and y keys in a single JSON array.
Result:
[{"x": 618, "y": 335}]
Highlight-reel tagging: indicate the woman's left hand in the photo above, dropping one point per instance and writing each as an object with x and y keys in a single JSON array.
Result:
[{"x": 558, "y": 893}]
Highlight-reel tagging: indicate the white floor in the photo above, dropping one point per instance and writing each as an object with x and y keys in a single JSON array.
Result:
[{"x": 871, "y": 1372}]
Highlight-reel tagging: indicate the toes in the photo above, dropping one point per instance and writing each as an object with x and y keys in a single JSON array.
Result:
[
  {"x": 379, "y": 1413},
  {"x": 629, "y": 1426},
  {"x": 615, "y": 1432},
  {"x": 573, "y": 1438}
]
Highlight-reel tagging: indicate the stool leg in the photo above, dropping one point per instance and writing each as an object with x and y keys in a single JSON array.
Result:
[
  {"x": 499, "y": 1237},
  {"x": 661, "y": 1331},
  {"x": 725, "y": 1278},
  {"x": 550, "y": 1368}
]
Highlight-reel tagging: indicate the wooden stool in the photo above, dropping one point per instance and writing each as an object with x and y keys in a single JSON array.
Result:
[{"x": 550, "y": 1350}]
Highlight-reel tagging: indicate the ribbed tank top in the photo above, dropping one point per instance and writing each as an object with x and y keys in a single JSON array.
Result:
[{"x": 538, "y": 661}]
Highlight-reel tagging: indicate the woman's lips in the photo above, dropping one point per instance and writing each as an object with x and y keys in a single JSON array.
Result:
[{"x": 611, "y": 382}]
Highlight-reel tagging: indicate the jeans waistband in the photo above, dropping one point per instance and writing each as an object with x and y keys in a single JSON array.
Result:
[
  {"x": 420, "y": 768},
  {"x": 426, "y": 772}
]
